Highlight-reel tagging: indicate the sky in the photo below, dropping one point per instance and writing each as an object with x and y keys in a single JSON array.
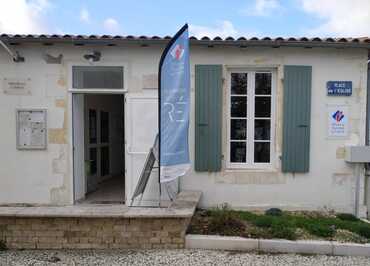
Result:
[{"x": 248, "y": 18}]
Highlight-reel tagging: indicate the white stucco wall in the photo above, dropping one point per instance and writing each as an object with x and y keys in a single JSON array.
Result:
[{"x": 46, "y": 176}]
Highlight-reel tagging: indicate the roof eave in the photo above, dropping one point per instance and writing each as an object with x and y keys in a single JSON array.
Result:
[{"x": 141, "y": 41}]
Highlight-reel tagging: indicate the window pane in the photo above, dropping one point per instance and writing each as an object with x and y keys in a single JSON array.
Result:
[
  {"x": 239, "y": 83},
  {"x": 93, "y": 161},
  {"x": 263, "y": 83},
  {"x": 238, "y": 152},
  {"x": 239, "y": 106},
  {"x": 92, "y": 126},
  {"x": 262, "y": 107},
  {"x": 102, "y": 77},
  {"x": 239, "y": 129},
  {"x": 104, "y": 127},
  {"x": 104, "y": 162},
  {"x": 262, "y": 152},
  {"x": 261, "y": 129}
]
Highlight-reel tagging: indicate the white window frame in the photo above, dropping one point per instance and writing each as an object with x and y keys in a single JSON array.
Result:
[
  {"x": 250, "y": 164},
  {"x": 98, "y": 90}
]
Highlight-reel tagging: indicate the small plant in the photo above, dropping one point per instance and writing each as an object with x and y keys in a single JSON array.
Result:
[
  {"x": 3, "y": 245},
  {"x": 274, "y": 212},
  {"x": 364, "y": 230},
  {"x": 320, "y": 229},
  {"x": 347, "y": 217},
  {"x": 280, "y": 230},
  {"x": 263, "y": 221},
  {"x": 342, "y": 235},
  {"x": 225, "y": 222}
]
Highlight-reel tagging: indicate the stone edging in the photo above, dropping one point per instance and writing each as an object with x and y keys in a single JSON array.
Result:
[{"x": 276, "y": 245}]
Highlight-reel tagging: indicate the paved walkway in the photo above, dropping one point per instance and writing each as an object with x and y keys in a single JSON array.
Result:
[{"x": 168, "y": 257}]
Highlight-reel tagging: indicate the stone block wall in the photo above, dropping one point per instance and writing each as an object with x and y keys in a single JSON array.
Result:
[{"x": 93, "y": 233}]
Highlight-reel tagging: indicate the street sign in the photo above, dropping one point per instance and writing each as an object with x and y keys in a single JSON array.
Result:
[{"x": 339, "y": 88}]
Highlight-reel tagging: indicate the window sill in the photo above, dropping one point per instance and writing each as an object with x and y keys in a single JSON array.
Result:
[
  {"x": 251, "y": 177},
  {"x": 109, "y": 91},
  {"x": 251, "y": 170}
]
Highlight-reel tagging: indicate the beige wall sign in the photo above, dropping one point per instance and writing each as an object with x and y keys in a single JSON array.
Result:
[{"x": 17, "y": 86}]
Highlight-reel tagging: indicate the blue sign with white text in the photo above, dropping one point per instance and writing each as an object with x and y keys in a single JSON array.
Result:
[
  {"x": 174, "y": 104},
  {"x": 339, "y": 88}
]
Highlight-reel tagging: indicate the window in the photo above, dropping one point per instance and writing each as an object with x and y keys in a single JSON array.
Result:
[
  {"x": 250, "y": 118},
  {"x": 97, "y": 77},
  {"x": 104, "y": 127},
  {"x": 104, "y": 161},
  {"x": 93, "y": 161},
  {"x": 92, "y": 126}
]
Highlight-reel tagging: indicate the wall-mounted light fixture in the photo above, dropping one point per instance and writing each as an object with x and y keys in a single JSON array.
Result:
[
  {"x": 94, "y": 57},
  {"x": 16, "y": 57},
  {"x": 49, "y": 59}
]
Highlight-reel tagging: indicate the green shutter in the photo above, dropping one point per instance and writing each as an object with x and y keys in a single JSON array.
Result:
[
  {"x": 296, "y": 119},
  {"x": 208, "y": 112}
]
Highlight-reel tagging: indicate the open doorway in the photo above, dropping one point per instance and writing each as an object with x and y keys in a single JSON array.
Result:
[{"x": 99, "y": 154}]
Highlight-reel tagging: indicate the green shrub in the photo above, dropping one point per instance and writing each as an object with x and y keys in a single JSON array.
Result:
[
  {"x": 263, "y": 221},
  {"x": 3, "y": 245},
  {"x": 321, "y": 230},
  {"x": 347, "y": 217},
  {"x": 280, "y": 230},
  {"x": 274, "y": 212},
  {"x": 283, "y": 228},
  {"x": 225, "y": 222},
  {"x": 247, "y": 216},
  {"x": 364, "y": 230}
]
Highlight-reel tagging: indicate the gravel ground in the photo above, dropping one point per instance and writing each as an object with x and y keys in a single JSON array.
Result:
[{"x": 167, "y": 257}]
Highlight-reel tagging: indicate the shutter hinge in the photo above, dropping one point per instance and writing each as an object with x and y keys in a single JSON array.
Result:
[{"x": 223, "y": 80}]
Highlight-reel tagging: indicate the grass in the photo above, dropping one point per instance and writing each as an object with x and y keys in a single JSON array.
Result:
[{"x": 285, "y": 225}]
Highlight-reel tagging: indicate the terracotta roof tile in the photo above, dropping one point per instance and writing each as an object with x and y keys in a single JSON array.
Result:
[{"x": 360, "y": 42}]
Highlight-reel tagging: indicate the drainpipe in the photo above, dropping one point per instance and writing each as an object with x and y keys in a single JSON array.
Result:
[{"x": 367, "y": 140}]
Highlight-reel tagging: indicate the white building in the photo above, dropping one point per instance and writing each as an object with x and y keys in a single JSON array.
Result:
[{"x": 77, "y": 125}]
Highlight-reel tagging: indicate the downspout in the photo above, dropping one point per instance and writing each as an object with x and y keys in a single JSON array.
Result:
[{"x": 367, "y": 140}]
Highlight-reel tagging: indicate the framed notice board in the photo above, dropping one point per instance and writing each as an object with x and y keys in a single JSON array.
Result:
[{"x": 31, "y": 129}]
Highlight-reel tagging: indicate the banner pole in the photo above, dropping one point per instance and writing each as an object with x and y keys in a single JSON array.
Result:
[
  {"x": 159, "y": 131},
  {"x": 163, "y": 56}
]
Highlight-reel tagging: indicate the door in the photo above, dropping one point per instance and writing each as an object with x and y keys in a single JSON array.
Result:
[
  {"x": 78, "y": 146},
  {"x": 141, "y": 127}
]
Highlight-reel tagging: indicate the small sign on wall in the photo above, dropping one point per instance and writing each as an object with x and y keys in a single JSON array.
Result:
[
  {"x": 337, "y": 116},
  {"x": 31, "y": 129},
  {"x": 339, "y": 88},
  {"x": 17, "y": 86}
]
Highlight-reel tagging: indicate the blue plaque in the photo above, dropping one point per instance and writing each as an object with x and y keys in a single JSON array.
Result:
[{"x": 339, "y": 88}]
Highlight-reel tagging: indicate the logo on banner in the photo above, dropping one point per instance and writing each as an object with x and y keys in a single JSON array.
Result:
[
  {"x": 338, "y": 116},
  {"x": 178, "y": 52}
]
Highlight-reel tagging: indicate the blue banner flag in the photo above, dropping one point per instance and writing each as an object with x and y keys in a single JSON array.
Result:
[{"x": 174, "y": 107}]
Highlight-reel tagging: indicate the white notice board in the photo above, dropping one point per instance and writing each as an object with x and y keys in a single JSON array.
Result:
[
  {"x": 31, "y": 129},
  {"x": 338, "y": 116}
]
